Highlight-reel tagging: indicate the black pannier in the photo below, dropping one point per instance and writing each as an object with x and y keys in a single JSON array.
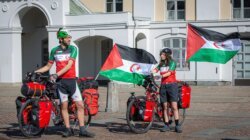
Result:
[{"x": 87, "y": 83}]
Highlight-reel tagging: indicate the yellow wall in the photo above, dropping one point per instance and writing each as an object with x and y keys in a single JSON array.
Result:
[
  {"x": 160, "y": 10},
  {"x": 100, "y": 5},
  {"x": 127, "y": 5},
  {"x": 95, "y": 5},
  {"x": 225, "y": 9},
  {"x": 190, "y": 9}
]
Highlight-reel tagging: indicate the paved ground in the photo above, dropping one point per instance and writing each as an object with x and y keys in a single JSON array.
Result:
[{"x": 217, "y": 112}]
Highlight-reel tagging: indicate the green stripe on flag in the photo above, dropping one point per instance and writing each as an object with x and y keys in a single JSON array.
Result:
[
  {"x": 119, "y": 75},
  {"x": 213, "y": 55}
]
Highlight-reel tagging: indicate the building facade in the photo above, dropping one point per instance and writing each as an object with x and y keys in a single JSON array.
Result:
[{"x": 28, "y": 32}]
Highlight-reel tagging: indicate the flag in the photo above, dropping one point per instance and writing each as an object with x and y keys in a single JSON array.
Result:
[
  {"x": 127, "y": 64},
  {"x": 210, "y": 46}
]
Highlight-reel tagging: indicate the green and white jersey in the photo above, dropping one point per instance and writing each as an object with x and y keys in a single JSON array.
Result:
[{"x": 62, "y": 57}]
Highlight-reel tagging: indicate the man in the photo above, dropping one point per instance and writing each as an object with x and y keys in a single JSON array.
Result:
[{"x": 64, "y": 55}]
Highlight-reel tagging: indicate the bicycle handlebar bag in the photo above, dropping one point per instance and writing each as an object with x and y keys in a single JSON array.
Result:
[{"x": 33, "y": 89}]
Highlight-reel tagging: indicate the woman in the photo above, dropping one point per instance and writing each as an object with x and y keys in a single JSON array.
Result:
[{"x": 168, "y": 89}]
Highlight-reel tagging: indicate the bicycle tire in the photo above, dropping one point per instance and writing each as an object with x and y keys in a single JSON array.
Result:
[
  {"x": 182, "y": 116},
  {"x": 31, "y": 130},
  {"x": 87, "y": 119},
  {"x": 134, "y": 127},
  {"x": 56, "y": 117},
  {"x": 87, "y": 122}
]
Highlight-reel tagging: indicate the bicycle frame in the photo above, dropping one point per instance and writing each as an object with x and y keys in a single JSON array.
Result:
[
  {"x": 136, "y": 103},
  {"x": 56, "y": 110}
]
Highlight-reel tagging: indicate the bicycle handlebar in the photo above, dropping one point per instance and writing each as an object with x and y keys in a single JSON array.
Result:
[
  {"x": 153, "y": 80},
  {"x": 37, "y": 77},
  {"x": 150, "y": 83}
]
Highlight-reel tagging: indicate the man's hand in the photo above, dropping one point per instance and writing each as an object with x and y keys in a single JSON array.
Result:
[{"x": 53, "y": 77}]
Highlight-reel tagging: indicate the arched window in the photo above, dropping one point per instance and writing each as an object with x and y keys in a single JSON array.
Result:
[{"x": 178, "y": 45}]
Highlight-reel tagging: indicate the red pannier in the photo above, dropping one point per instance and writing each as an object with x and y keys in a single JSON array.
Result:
[
  {"x": 149, "y": 110},
  {"x": 20, "y": 101},
  {"x": 41, "y": 111},
  {"x": 184, "y": 95},
  {"x": 91, "y": 97},
  {"x": 33, "y": 89}
]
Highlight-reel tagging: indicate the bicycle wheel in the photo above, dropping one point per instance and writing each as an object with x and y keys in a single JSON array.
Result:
[
  {"x": 135, "y": 122},
  {"x": 87, "y": 118},
  {"x": 56, "y": 114},
  {"x": 26, "y": 126},
  {"x": 182, "y": 115}
]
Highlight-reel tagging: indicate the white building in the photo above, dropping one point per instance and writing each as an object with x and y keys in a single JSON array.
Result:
[{"x": 28, "y": 31}]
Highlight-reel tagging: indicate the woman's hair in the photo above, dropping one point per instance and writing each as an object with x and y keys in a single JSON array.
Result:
[{"x": 165, "y": 62}]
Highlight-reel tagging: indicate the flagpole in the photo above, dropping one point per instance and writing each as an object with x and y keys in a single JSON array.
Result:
[
  {"x": 97, "y": 75},
  {"x": 195, "y": 78}
]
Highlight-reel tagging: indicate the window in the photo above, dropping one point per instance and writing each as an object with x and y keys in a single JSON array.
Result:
[
  {"x": 175, "y": 10},
  {"x": 178, "y": 46},
  {"x": 114, "y": 5},
  {"x": 241, "y": 9}
]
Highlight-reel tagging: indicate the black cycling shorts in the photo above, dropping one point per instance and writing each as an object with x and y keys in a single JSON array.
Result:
[
  {"x": 67, "y": 86},
  {"x": 169, "y": 92}
]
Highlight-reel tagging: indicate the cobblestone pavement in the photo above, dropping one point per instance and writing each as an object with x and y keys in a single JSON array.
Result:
[{"x": 217, "y": 112}]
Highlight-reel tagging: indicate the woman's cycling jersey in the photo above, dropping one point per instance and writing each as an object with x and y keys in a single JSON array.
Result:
[{"x": 164, "y": 69}]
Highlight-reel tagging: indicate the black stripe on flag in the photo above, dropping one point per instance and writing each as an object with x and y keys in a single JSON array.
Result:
[
  {"x": 136, "y": 55},
  {"x": 214, "y": 36}
]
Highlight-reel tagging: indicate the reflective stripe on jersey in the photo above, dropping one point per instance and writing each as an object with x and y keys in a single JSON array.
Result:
[{"x": 62, "y": 57}]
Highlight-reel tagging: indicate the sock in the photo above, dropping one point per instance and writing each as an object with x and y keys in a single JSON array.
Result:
[
  {"x": 170, "y": 121},
  {"x": 176, "y": 122},
  {"x": 166, "y": 123}
]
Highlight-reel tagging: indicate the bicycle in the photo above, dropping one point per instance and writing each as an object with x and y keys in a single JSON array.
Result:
[
  {"x": 25, "y": 120},
  {"x": 139, "y": 118}
]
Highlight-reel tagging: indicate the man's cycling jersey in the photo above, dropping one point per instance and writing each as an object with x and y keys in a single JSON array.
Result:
[
  {"x": 62, "y": 57},
  {"x": 164, "y": 69}
]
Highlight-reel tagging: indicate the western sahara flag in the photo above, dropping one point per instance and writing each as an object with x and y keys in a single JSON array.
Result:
[
  {"x": 127, "y": 64},
  {"x": 210, "y": 46}
]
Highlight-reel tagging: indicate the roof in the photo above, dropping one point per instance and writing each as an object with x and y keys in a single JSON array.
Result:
[{"x": 78, "y": 8}]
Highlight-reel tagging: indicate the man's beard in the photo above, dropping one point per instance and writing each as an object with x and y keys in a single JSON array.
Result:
[{"x": 65, "y": 44}]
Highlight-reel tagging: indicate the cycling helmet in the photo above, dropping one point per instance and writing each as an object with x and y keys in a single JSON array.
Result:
[
  {"x": 62, "y": 33},
  {"x": 166, "y": 50}
]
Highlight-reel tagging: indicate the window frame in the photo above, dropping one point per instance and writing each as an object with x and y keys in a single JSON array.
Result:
[
  {"x": 175, "y": 10},
  {"x": 182, "y": 48},
  {"x": 114, "y": 6},
  {"x": 241, "y": 8}
]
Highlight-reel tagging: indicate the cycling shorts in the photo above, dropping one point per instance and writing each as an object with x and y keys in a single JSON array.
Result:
[{"x": 68, "y": 88}]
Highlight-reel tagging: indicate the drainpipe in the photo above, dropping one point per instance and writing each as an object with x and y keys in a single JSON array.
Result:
[
  {"x": 133, "y": 18},
  {"x": 195, "y": 18}
]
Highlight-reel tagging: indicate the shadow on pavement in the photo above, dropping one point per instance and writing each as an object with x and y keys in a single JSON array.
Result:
[
  {"x": 115, "y": 127},
  {"x": 54, "y": 130},
  {"x": 12, "y": 131}
]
